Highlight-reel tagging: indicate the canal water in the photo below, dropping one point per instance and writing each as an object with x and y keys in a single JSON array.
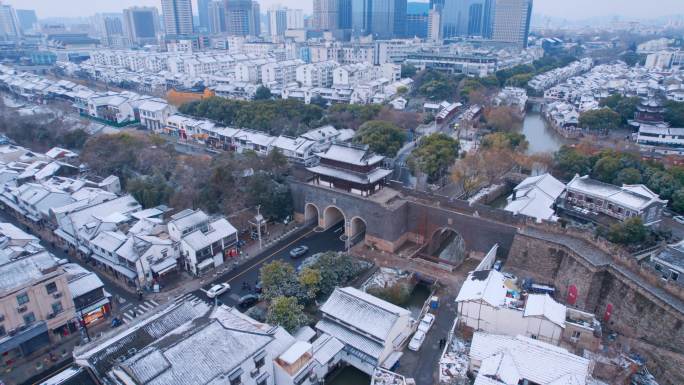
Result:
[{"x": 540, "y": 135}]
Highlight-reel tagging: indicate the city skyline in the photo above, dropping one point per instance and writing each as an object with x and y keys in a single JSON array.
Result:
[{"x": 576, "y": 10}]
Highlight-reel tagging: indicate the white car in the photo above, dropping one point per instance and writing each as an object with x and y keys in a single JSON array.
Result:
[
  {"x": 417, "y": 340},
  {"x": 217, "y": 290},
  {"x": 426, "y": 323},
  {"x": 679, "y": 219}
]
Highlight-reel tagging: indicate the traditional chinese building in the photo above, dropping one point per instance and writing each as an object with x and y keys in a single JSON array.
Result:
[{"x": 352, "y": 168}]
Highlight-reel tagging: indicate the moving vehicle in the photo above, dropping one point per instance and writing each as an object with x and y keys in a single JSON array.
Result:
[
  {"x": 426, "y": 322},
  {"x": 247, "y": 301},
  {"x": 217, "y": 290},
  {"x": 417, "y": 340},
  {"x": 299, "y": 251}
]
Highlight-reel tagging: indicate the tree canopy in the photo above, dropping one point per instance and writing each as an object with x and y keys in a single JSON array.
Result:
[
  {"x": 382, "y": 137},
  {"x": 434, "y": 154},
  {"x": 603, "y": 119},
  {"x": 674, "y": 113},
  {"x": 624, "y": 106},
  {"x": 286, "y": 312},
  {"x": 263, "y": 93},
  {"x": 276, "y": 117}
]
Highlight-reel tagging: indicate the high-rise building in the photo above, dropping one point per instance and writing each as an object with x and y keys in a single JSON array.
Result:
[
  {"x": 295, "y": 19},
  {"x": 111, "y": 30},
  {"x": 361, "y": 17},
  {"x": 239, "y": 17},
  {"x": 9, "y": 24},
  {"x": 177, "y": 17},
  {"x": 141, "y": 24},
  {"x": 434, "y": 24},
  {"x": 326, "y": 14},
  {"x": 28, "y": 21},
  {"x": 203, "y": 15},
  {"x": 466, "y": 18},
  {"x": 417, "y": 19},
  {"x": 388, "y": 18},
  {"x": 344, "y": 14},
  {"x": 512, "y": 21},
  {"x": 217, "y": 17},
  {"x": 277, "y": 21},
  {"x": 436, "y": 4},
  {"x": 255, "y": 24}
]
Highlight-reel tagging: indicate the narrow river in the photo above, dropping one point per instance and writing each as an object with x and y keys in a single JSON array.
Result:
[{"x": 541, "y": 137}]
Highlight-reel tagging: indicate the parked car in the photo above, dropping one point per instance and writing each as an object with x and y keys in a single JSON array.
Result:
[
  {"x": 679, "y": 219},
  {"x": 497, "y": 265},
  {"x": 426, "y": 322},
  {"x": 247, "y": 301},
  {"x": 217, "y": 290},
  {"x": 417, "y": 340},
  {"x": 258, "y": 288},
  {"x": 299, "y": 251}
]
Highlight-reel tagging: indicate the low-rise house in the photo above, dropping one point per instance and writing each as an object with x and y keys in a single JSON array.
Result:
[
  {"x": 209, "y": 246},
  {"x": 536, "y": 197},
  {"x": 36, "y": 307},
  {"x": 91, "y": 301},
  {"x": 251, "y": 140},
  {"x": 371, "y": 329},
  {"x": 669, "y": 262},
  {"x": 512, "y": 360},
  {"x": 299, "y": 150},
  {"x": 661, "y": 140},
  {"x": 189, "y": 344},
  {"x": 490, "y": 302},
  {"x": 594, "y": 200},
  {"x": 154, "y": 114}
]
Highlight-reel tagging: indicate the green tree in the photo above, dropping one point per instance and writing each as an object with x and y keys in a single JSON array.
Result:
[
  {"x": 434, "y": 154},
  {"x": 514, "y": 141},
  {"x": 274, "y": 196},
  {"x": 336, "y": 269},
  {"x": 408, "y": 70},
  {"x": 286, "y": 312},
  {"x": 150, "y": 191},
  {"x": 677, "y": 201},
  {"x": 382, "y": 137},
  {"x": 603, "y": 119},
  {"x": 74, "y": 139},
  {"x": 437, "y": 90},
  {"x": 606, "y": 169},
  {"x": 399, "y": 293},
  {"x": 624, "y": 106},
  {"x": 568, "y": 162},
  {"x": 631, "y": 58},
  {"x": 279, "y": 279},
  {"x": 263, "y": 93},
  {"x": 630, "y": 232},
  {"x": 674, "y": 113},
  {"x": 628, "y": 175},
  {"x": 310, "y": 281}
]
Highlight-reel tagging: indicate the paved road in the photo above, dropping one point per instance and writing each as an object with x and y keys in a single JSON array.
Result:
[
  {"x": 316, "y": 241},
  {"x": 110, "y": 286}
]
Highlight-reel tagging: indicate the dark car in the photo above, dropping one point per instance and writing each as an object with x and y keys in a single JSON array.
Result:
[
  {"x": 299, "y": 251},
  {"x": 247, "y": 301}
]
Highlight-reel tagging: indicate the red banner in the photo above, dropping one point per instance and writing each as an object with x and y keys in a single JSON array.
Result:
[
  {"x": 572, "y": 294},
  {"x": 608, "y": 313}
]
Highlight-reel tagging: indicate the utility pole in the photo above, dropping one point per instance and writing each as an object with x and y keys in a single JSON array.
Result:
[{"x": 259, "y": 225}]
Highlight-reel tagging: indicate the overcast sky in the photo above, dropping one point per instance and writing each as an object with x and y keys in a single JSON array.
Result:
[{"x": 571, "y": 9}]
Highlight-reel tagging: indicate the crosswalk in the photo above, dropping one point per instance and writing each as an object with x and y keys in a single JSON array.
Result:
[
  {"x": 139, "y": 309},
  {"x": 191, "y": 297}
]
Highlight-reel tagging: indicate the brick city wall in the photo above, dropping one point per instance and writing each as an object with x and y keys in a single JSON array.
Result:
[{"x": 636, "y": 313}]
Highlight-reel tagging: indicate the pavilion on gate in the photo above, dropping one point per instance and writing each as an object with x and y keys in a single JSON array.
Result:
[{"x": 352, "y": 168}]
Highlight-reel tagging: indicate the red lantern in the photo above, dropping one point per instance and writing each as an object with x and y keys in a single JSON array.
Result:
[
  {"x": 572, "y": 294},
  {"x": 608, "y": 313}
]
